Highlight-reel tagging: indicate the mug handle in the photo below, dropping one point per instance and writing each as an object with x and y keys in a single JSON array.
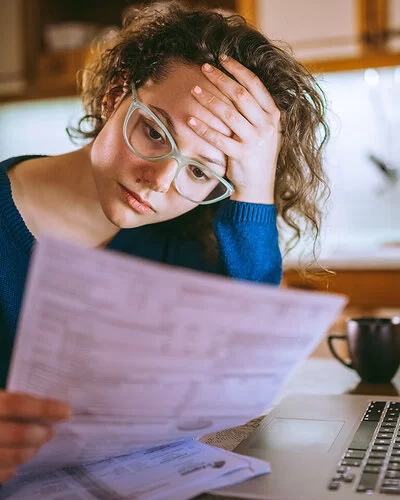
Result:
[{"x": 331, "y": 338}]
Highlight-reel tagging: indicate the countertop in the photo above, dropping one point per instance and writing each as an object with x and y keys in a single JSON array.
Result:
[{"x": 380, "y": 258}]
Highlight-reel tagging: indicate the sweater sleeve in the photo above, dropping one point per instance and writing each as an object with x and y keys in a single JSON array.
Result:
[{"x": 248, "y": 241}]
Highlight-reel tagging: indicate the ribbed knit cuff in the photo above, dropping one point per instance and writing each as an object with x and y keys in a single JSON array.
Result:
[{"x": 242, "y": 211}]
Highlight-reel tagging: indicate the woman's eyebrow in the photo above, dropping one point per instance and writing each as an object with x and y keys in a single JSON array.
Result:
[
  {"x": 172, "y": 129},
  {"x": 168, "y": 119},
  {"x": 220, "y": 163}
]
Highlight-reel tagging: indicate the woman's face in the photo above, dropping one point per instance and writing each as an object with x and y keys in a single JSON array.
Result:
[{"x": 134, "y": 192}]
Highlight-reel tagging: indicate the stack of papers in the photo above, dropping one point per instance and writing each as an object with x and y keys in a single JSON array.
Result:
[
  {"x": 148, "y": 355},
  {"x": 175, "y": 471}
]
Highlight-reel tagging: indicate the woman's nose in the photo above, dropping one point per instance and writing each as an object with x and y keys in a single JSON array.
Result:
[{"x": 160, "y": 174}]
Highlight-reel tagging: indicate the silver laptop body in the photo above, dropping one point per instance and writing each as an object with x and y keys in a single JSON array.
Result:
[{"x": 326, "y": 447}]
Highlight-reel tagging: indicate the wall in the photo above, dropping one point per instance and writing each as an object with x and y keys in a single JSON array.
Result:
[
  {"x": 37, "y": 127},
  {"x": 364, "y": 210},
  {"x": 364, "y": 118}
]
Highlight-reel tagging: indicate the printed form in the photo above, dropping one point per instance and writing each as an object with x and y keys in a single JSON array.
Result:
[
  {"x": 175, "y": 471},
  {"x": 148, "y": 354}
]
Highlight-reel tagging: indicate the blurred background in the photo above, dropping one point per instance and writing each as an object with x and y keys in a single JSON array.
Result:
[{"x": 353, "y": 47}]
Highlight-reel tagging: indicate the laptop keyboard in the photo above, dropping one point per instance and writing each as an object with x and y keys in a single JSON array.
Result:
[{"x": 372, "y": 459}]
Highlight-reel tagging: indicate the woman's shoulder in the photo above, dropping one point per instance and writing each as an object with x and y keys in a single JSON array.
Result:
[
  {"x": 13, "y": 231},
  {"x": 15, "y": 160}
]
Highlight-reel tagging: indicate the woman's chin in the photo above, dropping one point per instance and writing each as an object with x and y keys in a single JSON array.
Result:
[{"x": 124, "y": 217}]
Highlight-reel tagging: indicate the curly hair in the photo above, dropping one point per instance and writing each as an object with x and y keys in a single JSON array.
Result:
[{"x": 152, "y": 37}]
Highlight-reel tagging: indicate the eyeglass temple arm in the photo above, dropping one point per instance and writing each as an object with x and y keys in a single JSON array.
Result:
[{"x": 133, "y": 90}]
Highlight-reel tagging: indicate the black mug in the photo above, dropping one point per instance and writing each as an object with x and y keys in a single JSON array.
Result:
[{"x": 374, "y": 348}]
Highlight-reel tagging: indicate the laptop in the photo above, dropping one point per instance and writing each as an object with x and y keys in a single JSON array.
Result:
[{"x": 343, "y": 447}]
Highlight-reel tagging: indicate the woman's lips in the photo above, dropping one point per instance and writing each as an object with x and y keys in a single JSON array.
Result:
[{"x": 136, "y": 202}]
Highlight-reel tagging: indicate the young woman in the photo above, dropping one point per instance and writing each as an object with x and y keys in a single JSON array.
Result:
[{"x": 200, "y": 132}]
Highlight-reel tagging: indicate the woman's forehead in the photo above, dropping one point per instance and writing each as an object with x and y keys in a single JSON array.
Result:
[{"x": 176, "y": 87}]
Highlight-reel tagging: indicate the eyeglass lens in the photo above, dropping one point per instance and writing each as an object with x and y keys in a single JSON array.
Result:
[{"x": 148, "y": 139}]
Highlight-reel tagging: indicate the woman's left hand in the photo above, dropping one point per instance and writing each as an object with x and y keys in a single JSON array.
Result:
[{"x": 254, "y": 119}]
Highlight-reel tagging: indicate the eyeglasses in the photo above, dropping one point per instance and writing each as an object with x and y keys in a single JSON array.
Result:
[{"x": 149, "y": 139}]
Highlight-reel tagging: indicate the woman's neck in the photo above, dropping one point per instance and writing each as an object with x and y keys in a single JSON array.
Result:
[{"x": 57, "y": 196}]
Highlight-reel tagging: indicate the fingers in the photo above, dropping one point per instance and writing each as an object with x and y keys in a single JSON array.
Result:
[
  {"x": 22, "y": 406},
  {"x": 229, "y": 115},
  {"x": 207, "y": 116},
  {"x": 6, "y": 474},
  {"x": 225, "y": 144},
  {"x": 248, "y": 93},
  {"x": 20, "y": 434},
  {"x": 12, "y": 457},
  {"x": 24, "y": 428},
  {"x": 19, "y": 442}
]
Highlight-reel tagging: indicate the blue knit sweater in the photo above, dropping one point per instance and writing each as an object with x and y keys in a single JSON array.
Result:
[{"x": 246, "y": 233}]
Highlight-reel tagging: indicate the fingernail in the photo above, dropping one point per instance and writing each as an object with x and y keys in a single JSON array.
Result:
[
  {"x": 207, "y": 67},
  {"x": 192, "y": 122},
  {"x": 224, "y": 58},
  {"x": 197, "y": 90},
  {"x": 50, "y": 434},
  {"x": 62, "y": 411}
]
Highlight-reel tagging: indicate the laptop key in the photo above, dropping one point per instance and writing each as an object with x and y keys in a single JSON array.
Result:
[
  {"x": 374, "y": 469},
  {"x": 355, "y": 454},
  {"x": 392, "y": 474},
  {"x": 393, "y": 466},
  {"x": 371, "y": 418},
  {"x": 380, "y": 404},
  {"x": 334, "y": 485},
  {"x": 380, "y": 447},
  {"x": 375, "y": 461},
  {"x": 391, "y": 490},
  {"x": 367, "y": 482},
  {"x": 349, "y": 478},
  {"x": 390, "y": 482},
  {"x": 363, "y": 435},
  {"x": 377, "y": 454},
  {"x": 382, "y": 441},
  {"x": 351, "y": 462}
]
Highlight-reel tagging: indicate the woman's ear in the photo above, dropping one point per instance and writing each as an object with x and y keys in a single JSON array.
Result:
[
  {"x": 113, "y": 97},
  {"x": 111, "y": 100}
]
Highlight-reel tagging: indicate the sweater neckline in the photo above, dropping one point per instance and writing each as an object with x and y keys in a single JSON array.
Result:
[{"x": 13, "y": 221}]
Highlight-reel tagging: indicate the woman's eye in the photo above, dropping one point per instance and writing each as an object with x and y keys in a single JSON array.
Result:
[
  {"x": 154, "y": 134},
  {"x": 198, "y": 173}
]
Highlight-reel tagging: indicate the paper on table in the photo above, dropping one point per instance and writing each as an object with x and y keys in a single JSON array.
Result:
[
  {"x": 176, "y": 471},
  {"x": 146, "y": 353}
]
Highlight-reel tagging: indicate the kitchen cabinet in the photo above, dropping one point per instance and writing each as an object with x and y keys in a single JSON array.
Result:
[
  {"x": 393, "y": 25},
  {"x": 325, "y": 35},
  {"x": 51, "y": 72},
  {"x": 12, "y": 54},
  {"x": 315, "y": 30},
  {"x": 367, "y": 289},
  {"x": 335, "y": 36}
]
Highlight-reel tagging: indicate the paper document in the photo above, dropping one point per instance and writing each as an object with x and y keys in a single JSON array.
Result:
[
  {"x": 175, "y": 471},
  {"x": 148, "y": 354}
]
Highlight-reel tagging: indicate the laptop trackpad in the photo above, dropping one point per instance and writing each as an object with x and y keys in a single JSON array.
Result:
[{"x": 299, "y": 435}]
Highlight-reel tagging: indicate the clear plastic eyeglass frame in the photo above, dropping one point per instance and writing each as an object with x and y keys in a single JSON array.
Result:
[{"x": 181, "y": 160}]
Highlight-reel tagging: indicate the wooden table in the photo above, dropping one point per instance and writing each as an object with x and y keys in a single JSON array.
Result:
[{"x": 314, "y": 376}]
